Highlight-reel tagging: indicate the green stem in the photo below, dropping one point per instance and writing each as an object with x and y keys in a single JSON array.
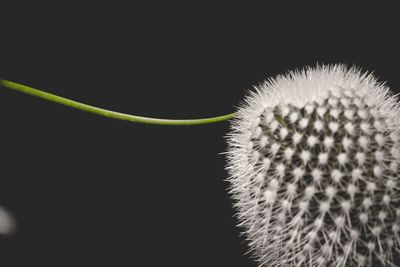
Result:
[{"x": 108, "y": 113}]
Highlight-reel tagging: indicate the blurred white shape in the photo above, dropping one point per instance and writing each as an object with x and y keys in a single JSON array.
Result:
[{"x": 7, "y": 222}]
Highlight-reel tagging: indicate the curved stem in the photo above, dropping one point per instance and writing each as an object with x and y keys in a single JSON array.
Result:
[{"x": 109, "y": 113}]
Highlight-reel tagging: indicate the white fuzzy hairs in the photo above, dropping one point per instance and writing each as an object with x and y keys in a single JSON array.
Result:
[
  {"x": 7, "y": 222},
  {"x": 313, "y": 160}
]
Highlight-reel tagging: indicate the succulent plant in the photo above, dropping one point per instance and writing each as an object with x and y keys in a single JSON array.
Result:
[{"x": 313, "y": 162}]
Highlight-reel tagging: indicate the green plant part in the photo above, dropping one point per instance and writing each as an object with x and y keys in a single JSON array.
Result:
[{"x": 109, "y": 113}]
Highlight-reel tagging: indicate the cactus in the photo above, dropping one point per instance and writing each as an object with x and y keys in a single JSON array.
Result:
[{"x": 313, "y": 166}]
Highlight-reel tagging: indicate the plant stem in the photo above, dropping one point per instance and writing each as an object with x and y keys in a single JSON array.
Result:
[{"x": 108, "y": 113}]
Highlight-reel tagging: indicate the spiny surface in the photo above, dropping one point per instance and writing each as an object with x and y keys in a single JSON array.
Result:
[{"x": 313, "y": 160}]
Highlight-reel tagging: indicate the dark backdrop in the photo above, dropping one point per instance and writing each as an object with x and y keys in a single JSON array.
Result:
[{"x": 89, "y": 191}]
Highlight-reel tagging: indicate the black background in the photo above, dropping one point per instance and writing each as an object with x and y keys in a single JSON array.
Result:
[{"x": 89, "y": 191}]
